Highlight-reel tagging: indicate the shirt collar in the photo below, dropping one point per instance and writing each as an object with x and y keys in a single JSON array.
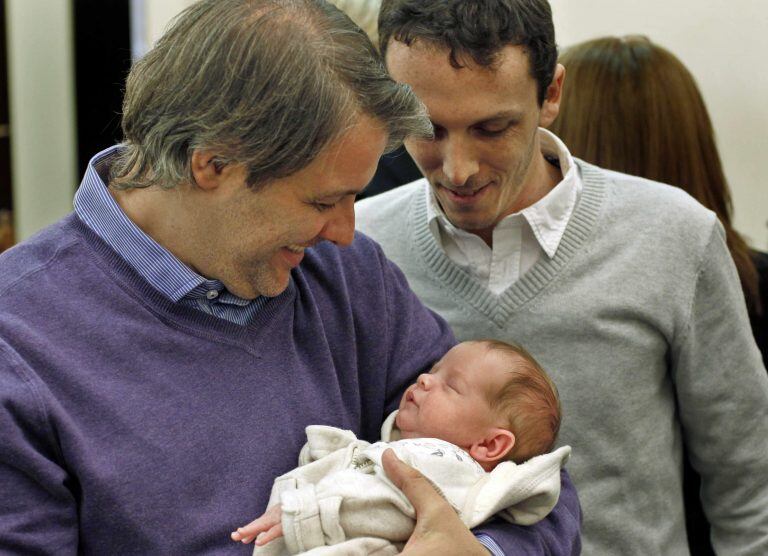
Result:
[
  {"x": 98, "y": 210},
  {"x": 548, "y": 217}
]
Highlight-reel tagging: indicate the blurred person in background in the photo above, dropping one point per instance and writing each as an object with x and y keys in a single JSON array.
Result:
[{"x": 633, "y": 107}]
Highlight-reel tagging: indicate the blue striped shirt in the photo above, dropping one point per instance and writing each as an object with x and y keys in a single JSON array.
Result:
[
  {"x": 490, "y": 544},
  {"x": 96, "y": 207}
]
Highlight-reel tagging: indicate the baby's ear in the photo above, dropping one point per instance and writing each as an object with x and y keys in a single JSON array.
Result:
[{"x": 496, "y": 444}]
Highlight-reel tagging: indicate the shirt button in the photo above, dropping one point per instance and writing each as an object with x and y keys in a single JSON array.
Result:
[{"x": 212, "y": 294}]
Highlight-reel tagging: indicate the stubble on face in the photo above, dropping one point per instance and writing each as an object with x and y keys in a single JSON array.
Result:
[
  {"x": 267, "y": 270},
  {"x": 510, "y": 196},
  {"x": 262, "y": 270},
  {"x": 242, "y": 243},
  {"x": 250, "y": 239},
  {"x": 506, "y": 170},
  {"x": 280, "y": 220}
]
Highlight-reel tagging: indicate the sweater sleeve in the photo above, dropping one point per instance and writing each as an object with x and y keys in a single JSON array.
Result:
[
  {"x": 559, "y": 534},
  {"x": 38, "y": 513},
  {"x": 722, "y": 391}
]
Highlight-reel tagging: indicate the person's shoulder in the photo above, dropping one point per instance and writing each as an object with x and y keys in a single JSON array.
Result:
[
  {"x": 642, "y": 191},
  {"x": 381, "y": 210},
  {"x": 652, "y": 201},
  {"x": 25, "y": 262}
]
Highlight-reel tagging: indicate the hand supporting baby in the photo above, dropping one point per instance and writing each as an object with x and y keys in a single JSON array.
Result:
[
  {"x": 263, "y": 529},
  {"x": 439, "y": 529}
]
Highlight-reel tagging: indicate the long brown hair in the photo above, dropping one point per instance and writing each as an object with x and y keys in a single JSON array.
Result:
[{"x": 631, "y": 106}]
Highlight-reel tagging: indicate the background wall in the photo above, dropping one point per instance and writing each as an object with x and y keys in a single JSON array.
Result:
[
  {"x": 724, "y": 43},
  {"x": 42, "y": 111},
  {"x": 157, "y": 14}
]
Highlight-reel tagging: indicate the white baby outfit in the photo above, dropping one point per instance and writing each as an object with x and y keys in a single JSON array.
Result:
[{"x": 340, "y": 501}]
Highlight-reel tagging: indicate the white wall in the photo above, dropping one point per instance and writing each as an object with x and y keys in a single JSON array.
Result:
[
  {"x": 159, "y": 13},
  {"x": 42, "y": 111},
  {"x": 725, "y": 45},
  {"x": 154, "y": 17}
]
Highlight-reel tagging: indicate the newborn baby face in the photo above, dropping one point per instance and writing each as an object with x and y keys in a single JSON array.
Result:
[{"x": 451, "y": 401}]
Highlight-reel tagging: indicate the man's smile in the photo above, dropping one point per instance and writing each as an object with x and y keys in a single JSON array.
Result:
[{"x": 464, "y": 196}]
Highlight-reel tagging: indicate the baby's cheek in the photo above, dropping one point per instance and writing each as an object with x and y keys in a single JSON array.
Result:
[{"x": 401, "y": 421}]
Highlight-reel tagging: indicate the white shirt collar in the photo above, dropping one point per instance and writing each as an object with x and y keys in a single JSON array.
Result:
[{"x": 548, "y": 217}]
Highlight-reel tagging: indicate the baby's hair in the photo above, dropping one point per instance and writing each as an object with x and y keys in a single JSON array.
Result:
[{"x": 529, "y": 402}]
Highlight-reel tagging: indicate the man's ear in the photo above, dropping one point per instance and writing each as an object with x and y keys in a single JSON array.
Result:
[
  {"x": 496, "y": 444},
  {"x": 207, "y": 169},
  {"x": 551, "y": 105}
]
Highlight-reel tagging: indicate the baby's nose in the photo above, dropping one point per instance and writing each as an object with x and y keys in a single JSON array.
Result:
[{"x": 425, "y": 380}]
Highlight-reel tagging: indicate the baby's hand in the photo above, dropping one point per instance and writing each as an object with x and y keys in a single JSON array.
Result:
[{"x": 266, "y": 528}]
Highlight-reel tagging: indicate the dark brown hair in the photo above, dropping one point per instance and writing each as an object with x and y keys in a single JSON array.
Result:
[
  {"x": 630, "y": 105},
  {"x": 477, "y": 29},
  {"x": 529, "y": 402}
]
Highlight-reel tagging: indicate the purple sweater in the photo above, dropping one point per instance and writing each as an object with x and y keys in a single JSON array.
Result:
[{"x": 130, "y": 424}]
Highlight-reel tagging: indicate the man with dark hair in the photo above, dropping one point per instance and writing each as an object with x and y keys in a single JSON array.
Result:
[
  {"x": 609, "y": 280},
  {"x": 176, "y": 334}
]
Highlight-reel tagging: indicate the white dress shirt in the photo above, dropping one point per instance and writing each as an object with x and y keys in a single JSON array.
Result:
[{"x": 520, "y": 239}]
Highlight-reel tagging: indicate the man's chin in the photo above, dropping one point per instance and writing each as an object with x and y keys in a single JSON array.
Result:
[
  {"x": 469, "y": 219},
  {"x": 273, "y": 289},
  {"x": 262, "y": 286},
  {"x": 470, "y": 223}
]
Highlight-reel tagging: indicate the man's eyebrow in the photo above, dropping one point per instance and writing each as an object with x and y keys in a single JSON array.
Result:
[
  {"x": 507, "y": 114},
  {"x": 341, "y": 194}
]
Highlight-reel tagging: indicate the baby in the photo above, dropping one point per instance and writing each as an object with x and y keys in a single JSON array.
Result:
[{"x": 473, "y": 426}]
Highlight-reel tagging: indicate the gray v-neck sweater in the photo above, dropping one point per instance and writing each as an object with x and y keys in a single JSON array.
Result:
[{"x": 640, "y": 319}]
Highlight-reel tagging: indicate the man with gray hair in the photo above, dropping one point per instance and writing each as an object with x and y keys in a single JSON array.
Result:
[
  {"x": 622, "y": 287},
  {"x": 174, "y": 336}
]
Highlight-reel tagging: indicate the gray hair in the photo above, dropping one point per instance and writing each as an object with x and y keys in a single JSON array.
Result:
[{"x": 264, "y": 83}]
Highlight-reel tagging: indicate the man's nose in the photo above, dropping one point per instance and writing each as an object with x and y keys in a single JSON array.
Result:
[
  {"x": 340, "y": 229},
  {"x": 459, "y": 161}
]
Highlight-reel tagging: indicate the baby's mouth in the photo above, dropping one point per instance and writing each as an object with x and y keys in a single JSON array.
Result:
[{"x": 409, "y": 397}]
